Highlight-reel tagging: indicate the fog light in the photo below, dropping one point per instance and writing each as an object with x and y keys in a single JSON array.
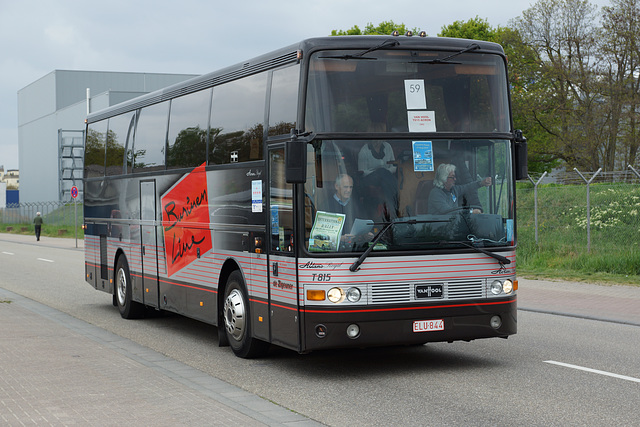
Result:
[
  {"x": 507, "y": 286},
  {"x": 353, "y": 331},
  {"x": 354, "y": 294},
  {"x": 495, "y": 322},
  {"x": 335, "y": 295},
  {"x": 496, "y": 287}
]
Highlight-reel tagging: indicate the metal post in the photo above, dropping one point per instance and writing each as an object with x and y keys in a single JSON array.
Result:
[
  {"x": 75, "y": 219},
  {"x": 535, "y": 202},
  {"x": 588, "y": 206}
]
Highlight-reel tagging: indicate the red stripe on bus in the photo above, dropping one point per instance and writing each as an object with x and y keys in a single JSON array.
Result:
[{"x": 406, "y": 308}]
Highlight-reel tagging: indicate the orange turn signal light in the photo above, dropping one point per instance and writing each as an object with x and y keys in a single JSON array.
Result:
[{"x": 315, "y": 295}]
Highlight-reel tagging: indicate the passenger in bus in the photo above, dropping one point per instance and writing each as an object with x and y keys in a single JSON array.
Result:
[
  {"x": 341, "y": 202},
  {"x": 376, "y": 163},
  {"x": 446, "y": 196}
]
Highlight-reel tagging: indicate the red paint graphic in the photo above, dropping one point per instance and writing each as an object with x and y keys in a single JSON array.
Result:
[{"x": 185, "y": 218}]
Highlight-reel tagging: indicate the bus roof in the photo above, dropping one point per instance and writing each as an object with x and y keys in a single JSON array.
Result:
[{"x": 287, "y": 55}]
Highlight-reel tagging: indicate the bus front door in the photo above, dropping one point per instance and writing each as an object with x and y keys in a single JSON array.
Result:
[
  {"x": 283, "y": 284},
  {"x": 149, "y": 243}
]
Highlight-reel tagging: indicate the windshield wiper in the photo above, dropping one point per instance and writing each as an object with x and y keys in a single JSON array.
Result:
[
  {"x": 384, "y": 44},
  {"x": 500, "y": 258},
  {"x": 445, "y": 60},
  {"x": 356, "y": 265}
]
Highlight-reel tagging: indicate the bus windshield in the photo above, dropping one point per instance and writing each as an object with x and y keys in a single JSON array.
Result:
[
  {"x": 437, "y": 194},
  {"x": 449, "y": 184},
  {"x": 407, "y": 91}
]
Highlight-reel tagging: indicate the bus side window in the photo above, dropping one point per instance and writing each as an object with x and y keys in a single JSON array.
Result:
[
  {"x": 281, "y": 204},
  {"x": 95, "y": 149},
  {"x": 283, "y": 105},
  {"x": 150, "y": 138},
  {"x": 119, "y": 139},
  {"x": 237, "y": 120},
  {"x": 187, "y": 142}
]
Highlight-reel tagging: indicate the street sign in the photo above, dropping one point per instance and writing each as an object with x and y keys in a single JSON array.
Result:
[{"x": 74, "y": 191}]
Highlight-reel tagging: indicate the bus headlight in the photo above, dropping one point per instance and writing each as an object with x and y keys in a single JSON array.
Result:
[
  {"x": 496, "y": 287},
  {"x": 354, "y": 294},
  {"x": 507, "y": 286},
  {"x": 335, "y": 295}
]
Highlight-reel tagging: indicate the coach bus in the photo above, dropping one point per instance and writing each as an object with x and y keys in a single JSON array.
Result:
[{"x": 340, "y": 192}]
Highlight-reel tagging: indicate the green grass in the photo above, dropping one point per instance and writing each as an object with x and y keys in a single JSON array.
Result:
[
  {"x": 47, "y": 230},
  {"x": 562, "y": 251}
]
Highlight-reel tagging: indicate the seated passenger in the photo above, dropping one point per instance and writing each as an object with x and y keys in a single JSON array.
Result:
[
  {"x": 342, "y": 203},
  {"x": 446, "y": 196}
]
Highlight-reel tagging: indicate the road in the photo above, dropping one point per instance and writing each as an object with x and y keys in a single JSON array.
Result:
[{"x": 556, "y": 371}]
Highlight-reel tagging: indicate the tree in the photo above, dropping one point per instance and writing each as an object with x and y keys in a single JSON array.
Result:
[
  {"x": 621, "y": 68},
  {"x": 474, "y": 29},
  {"x": 566, "y": 103},
  {"x": 385, "y": 28}
]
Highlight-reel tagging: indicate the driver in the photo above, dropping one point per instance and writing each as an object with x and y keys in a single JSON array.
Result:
[{"x": 446, "y": 196}]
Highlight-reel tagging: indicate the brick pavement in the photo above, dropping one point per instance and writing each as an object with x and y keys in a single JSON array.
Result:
[{"x": 56, "y": 370}]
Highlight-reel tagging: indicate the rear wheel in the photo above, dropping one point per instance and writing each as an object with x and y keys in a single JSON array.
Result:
[
  {"x": 237, "y": 320},
  {"x": 129, "y": 309}
]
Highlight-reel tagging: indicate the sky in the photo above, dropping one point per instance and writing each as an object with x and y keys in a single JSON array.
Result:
[{"x": 187, "y": 36}]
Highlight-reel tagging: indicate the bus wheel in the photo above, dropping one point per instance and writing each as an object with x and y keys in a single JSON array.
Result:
[
  {"x": 237, "y": 320},
  {"x": 129, "y": 309}
]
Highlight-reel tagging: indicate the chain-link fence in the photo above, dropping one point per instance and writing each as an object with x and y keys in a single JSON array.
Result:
[
  {"x": 581, "y": 212},
  {"x": 58, "y": 214}
]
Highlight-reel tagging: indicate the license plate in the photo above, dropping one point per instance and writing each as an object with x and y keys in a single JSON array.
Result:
[
  {"x": 428, "y": 325},
  {"x": 429, "y": 291}
]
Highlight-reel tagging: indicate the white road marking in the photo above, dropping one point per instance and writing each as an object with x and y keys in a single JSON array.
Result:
[
  {"x": 45, "y": 260},
  {"x": 8, "y": 253},
  {"x": 594, "y": 371}
]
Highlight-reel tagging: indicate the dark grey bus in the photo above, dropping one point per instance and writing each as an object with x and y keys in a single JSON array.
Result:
[{"x": 341, "y": 192}]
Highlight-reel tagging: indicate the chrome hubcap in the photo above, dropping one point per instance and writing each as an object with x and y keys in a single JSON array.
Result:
[
  {"x": 121, "y": 287},
  {"x": 234, "y": 315}
]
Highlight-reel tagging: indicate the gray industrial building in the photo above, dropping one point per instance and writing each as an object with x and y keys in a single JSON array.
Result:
[{"x": 51, "y": 114}]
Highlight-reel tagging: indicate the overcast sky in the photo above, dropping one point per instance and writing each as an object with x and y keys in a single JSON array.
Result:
[{"x": 187, "y": 36}]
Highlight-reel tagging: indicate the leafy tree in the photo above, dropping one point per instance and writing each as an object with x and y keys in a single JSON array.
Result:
[
  {"x": 475, "y": 29},
  {"x": 385, "y": 28},
  {"x": 527, "y": 89},
  {"x": 565, "y": 101},
  {"x": 620, "y": 54}
]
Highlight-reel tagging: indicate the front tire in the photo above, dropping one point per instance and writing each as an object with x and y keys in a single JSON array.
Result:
[
  {"x": 237, "y": 320},
  {"x": 128, "y": 308}
]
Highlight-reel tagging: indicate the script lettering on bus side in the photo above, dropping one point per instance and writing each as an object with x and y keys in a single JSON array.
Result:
[
  {"x": 170, "y": 208},
  {"x": 180, "y": 248},
  {"x": 185, "y": 216}
]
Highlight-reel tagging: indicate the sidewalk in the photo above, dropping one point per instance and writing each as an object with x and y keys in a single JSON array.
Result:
[
  {"x": 56, "y": 370},
  {"x": 620, "y": 304}
]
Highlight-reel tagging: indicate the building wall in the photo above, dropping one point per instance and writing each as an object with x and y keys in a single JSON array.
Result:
[{"x": 58, "y": 101}]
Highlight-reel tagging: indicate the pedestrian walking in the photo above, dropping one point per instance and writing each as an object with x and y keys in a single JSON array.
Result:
[{"x": 38, "y": 225}]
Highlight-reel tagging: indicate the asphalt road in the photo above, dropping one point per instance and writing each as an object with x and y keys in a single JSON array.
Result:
[{"x": 556, "y": 371}]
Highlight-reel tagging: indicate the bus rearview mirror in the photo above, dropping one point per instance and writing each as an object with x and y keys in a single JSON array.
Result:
[{"x": 296, "y": 157}]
